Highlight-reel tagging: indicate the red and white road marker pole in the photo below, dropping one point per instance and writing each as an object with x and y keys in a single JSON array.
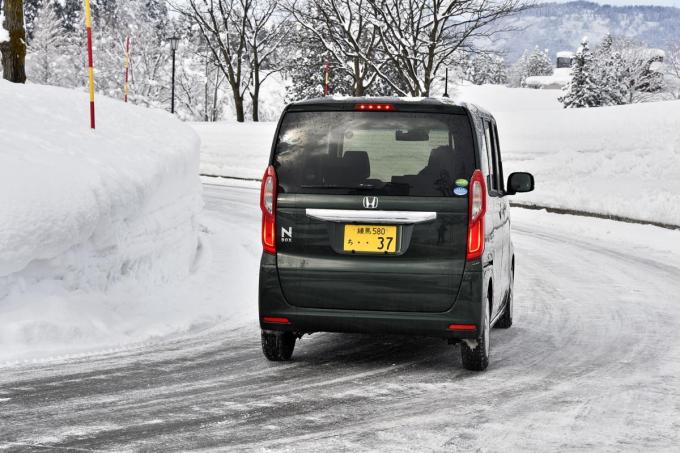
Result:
[
  {"x": 326, "y": 77},
  {"x": 90, "y": 64},
  {"x": 127, "y": 67}
]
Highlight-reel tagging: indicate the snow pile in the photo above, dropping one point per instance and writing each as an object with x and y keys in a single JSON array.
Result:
[
  {"x": 622, "y": 160},
  {"x": 235, "y": 149},
  {"x": 560, "y": 78},
  {"x": 89, "y": 220}
]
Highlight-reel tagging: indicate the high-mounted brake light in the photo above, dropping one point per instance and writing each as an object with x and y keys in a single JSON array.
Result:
[
  {"x": 477, "y": 209},
  {"x": 268, "y": 207},
  {"x": 375, "y": 107}
]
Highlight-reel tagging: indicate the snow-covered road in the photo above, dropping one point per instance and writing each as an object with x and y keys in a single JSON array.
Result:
[{"x": 592, "y": 364}]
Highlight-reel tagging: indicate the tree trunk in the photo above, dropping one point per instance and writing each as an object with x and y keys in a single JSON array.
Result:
[
  {"x": 255, "y": 98},
  {"x": 255, "y": 94},
  {"x": 238, "y": 106},
  {"x": 14, "y": 51}
]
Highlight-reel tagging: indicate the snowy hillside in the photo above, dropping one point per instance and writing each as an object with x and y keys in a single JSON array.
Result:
[
  {"x": 605, "y": 160},
  {"x": 89, "y": 220},
  {"x": 561, "y": 26}
]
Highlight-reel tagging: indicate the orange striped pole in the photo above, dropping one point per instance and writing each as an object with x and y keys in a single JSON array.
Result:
[
  {"x": 90, "y": 64},
  {"x": 127, "y": 67}
]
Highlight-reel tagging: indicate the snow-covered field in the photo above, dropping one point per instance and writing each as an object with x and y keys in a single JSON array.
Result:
[
  {"x": 99, "y": 230},
  {"x": 621, "y": 160}
]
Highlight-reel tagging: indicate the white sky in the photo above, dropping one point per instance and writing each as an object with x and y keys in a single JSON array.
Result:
[{"x": 675, "y": 3}]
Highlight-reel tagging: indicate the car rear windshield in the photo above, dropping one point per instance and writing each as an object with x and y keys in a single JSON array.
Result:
[{"x": 380, "y": 153}]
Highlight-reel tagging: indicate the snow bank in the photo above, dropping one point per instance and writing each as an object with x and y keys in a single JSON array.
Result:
[
  {"x": 622, "y": 160},
  {"x": 88, "y": 219},
  {"x": 235, "y": 149}
]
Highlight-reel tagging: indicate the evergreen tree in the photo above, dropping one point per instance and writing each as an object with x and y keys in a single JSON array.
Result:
[
  {"x": 518, "y": 72},
  {"x": 70, "y": 13},
  {"x": 48, "y": 48},
  {"x": 583, "y": 90},
  {"x": 485, "y": 68},
  {"x": 538, "y": 63},
  {"x": 31, "y": 9},
  {"x": 608, "y": 71}
]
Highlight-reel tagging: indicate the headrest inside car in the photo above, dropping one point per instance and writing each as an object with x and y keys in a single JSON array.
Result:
[{"x": 356, "y": 163}]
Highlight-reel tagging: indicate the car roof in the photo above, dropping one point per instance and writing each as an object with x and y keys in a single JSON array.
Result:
[{"x": 406, "y": 104}]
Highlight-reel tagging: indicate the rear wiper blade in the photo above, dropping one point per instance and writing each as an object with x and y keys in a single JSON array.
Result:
[{"x": 337, "y": 186}]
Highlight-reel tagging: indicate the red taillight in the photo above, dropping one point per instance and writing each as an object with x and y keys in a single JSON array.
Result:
[
  {"x": 477, "y": 209},
  {"x": 464, "y": 327},
  {"x": 268, "y": 206},
  {"x": 274, "y": 320},
  {"x": 375, "y": 107}
]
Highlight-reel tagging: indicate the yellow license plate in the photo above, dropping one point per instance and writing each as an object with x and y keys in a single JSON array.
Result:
[{"x": 370, "y": 238}]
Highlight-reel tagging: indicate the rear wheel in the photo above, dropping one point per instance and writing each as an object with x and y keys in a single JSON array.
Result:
[
  {"x": 475, "y": 353},
  {"x": 278, "y": 346}
]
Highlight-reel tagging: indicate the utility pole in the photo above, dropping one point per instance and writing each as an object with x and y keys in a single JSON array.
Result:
[{"x": 174, "y": 43}]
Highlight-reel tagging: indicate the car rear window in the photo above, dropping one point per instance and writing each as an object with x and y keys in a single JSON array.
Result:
[{"x": 390, "y": 153}]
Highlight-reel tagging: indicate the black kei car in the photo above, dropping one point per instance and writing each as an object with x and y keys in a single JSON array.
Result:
[{"x": 386, "y": 215}]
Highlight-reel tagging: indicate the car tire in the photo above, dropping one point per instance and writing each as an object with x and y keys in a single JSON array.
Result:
[
  {"x": 475, "y": 354},
  {"x": 505, "y": 321},
  {"x": 278, "y": 346}
]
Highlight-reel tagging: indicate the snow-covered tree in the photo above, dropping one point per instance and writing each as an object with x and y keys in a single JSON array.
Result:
[
  {"x": 534, "y": 63},
  {"x": 229, "y": 30},
  {"x": 306, "y": 69},
  {"x": 422, "y": 37},
  {"x": 481, "y": 68},
  {"x": 672, "y": 71},
  {"x": 518, "y": 71},
  {"x": 49, "y": 48},
  {"x": 347, "y": 34},
  {"x": 538, "y": 63},
  {"x": 641, "y": 70},
  {"x": 608, "y": 69},
  {"x": 627, "y": 71},
  {"x": 583, "y": 89}
]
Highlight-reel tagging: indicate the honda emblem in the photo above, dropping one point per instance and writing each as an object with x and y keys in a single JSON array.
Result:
[{"x": 370, "y": 202}]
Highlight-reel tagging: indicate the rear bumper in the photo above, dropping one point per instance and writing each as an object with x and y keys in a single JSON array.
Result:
[{"x": 466, "y": 309}]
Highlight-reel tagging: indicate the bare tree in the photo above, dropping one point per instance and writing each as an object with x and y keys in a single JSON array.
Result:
[
  {"x": 264, "y": 36},
  {"x": 348, "y": 34},
  {"x": 420, "y": 37},
  {"x": 13, "y": 49},
  {"x": 222, "y": 23}
]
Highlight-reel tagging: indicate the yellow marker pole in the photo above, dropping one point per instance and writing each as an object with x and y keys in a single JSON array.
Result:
[
  {"x": 90, "y": 64},
  {"x": 127, "y": 68}
]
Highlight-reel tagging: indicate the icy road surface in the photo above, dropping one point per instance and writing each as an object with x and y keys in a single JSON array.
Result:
[{"x": 592, "y": 364}]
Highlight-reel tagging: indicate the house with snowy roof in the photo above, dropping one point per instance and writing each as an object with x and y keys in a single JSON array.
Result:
[{"x": 560, "y": 76}]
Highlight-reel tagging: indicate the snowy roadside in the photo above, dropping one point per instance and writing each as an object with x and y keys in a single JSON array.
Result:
[
  {"x": 622, "y": 161},
  {"x": 93, "y": 224}
]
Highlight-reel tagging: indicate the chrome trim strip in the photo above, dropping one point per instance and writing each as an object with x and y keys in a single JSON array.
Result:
[{"x": 393, "y": 217}]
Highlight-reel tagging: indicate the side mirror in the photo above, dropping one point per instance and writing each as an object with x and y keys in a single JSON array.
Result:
[{"x": 520, "y": 182}]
